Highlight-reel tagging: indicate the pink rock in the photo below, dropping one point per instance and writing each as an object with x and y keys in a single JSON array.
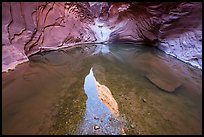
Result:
[{"x": 175, "y": 28}]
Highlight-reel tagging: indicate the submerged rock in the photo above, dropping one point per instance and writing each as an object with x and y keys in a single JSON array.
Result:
[
  {"x": 96, "y": 127},
  {"x": 158, "y": 70},
  {"x": 132, "y": 126},
  {"x": 144, "y": 100},
  {"x": 163, "y": 83}
]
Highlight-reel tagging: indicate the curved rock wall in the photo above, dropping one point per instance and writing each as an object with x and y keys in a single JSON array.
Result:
[
  {"x": 175, "y": 28},
  {"x": 28, "y": 27}
]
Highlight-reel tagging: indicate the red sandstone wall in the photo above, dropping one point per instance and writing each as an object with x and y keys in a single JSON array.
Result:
[{"x": 175, "y": 28}]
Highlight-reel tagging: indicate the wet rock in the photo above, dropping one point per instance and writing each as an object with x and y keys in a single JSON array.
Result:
[
  {"x": 144, "y": 100},
  {"x": 96, "y": 118},
  {"x": 110, "y": 118},
  {"x": 96, "y": 127},
  {"x": 132, "y": 126}
]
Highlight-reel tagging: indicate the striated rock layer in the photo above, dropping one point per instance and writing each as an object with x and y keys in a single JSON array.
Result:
[{"x": 30, "y": 27}]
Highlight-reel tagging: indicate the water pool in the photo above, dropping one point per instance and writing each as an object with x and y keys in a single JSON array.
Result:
[{"x": 138, "y": 90}]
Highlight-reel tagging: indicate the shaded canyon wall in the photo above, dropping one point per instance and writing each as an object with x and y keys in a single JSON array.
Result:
[{"x": 28, "y": 27}]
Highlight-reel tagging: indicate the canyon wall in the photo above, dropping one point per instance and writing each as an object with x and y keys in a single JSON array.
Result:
[{"x": 30, "y": 27}]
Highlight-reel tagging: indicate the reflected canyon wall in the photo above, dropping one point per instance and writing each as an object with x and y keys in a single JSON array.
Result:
[{"x": 28, "y": 27}]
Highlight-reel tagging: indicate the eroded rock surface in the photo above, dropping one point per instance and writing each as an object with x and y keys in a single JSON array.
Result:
[
  {"x": 28, "y": 27},
  {"x": 174, "y": 28}
]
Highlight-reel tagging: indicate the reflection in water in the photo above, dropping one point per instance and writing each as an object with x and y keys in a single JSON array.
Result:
[
  {"x": 101, "y": 48},
  {"x": 104, "y": 94},
  {"x": 46, "y": 95},
  {"x": 101, "y": 109}
]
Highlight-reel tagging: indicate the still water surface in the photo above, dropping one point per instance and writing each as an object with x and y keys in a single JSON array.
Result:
[{"x": 103, "y": 89}]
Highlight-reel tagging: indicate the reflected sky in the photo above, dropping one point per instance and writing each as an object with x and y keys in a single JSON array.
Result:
[
  {"x": 97, "y": 113},
  {"x": 93, "y": 105}
]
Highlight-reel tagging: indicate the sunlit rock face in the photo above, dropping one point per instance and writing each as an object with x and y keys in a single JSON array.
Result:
[{"x": 27, "y": 27}]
